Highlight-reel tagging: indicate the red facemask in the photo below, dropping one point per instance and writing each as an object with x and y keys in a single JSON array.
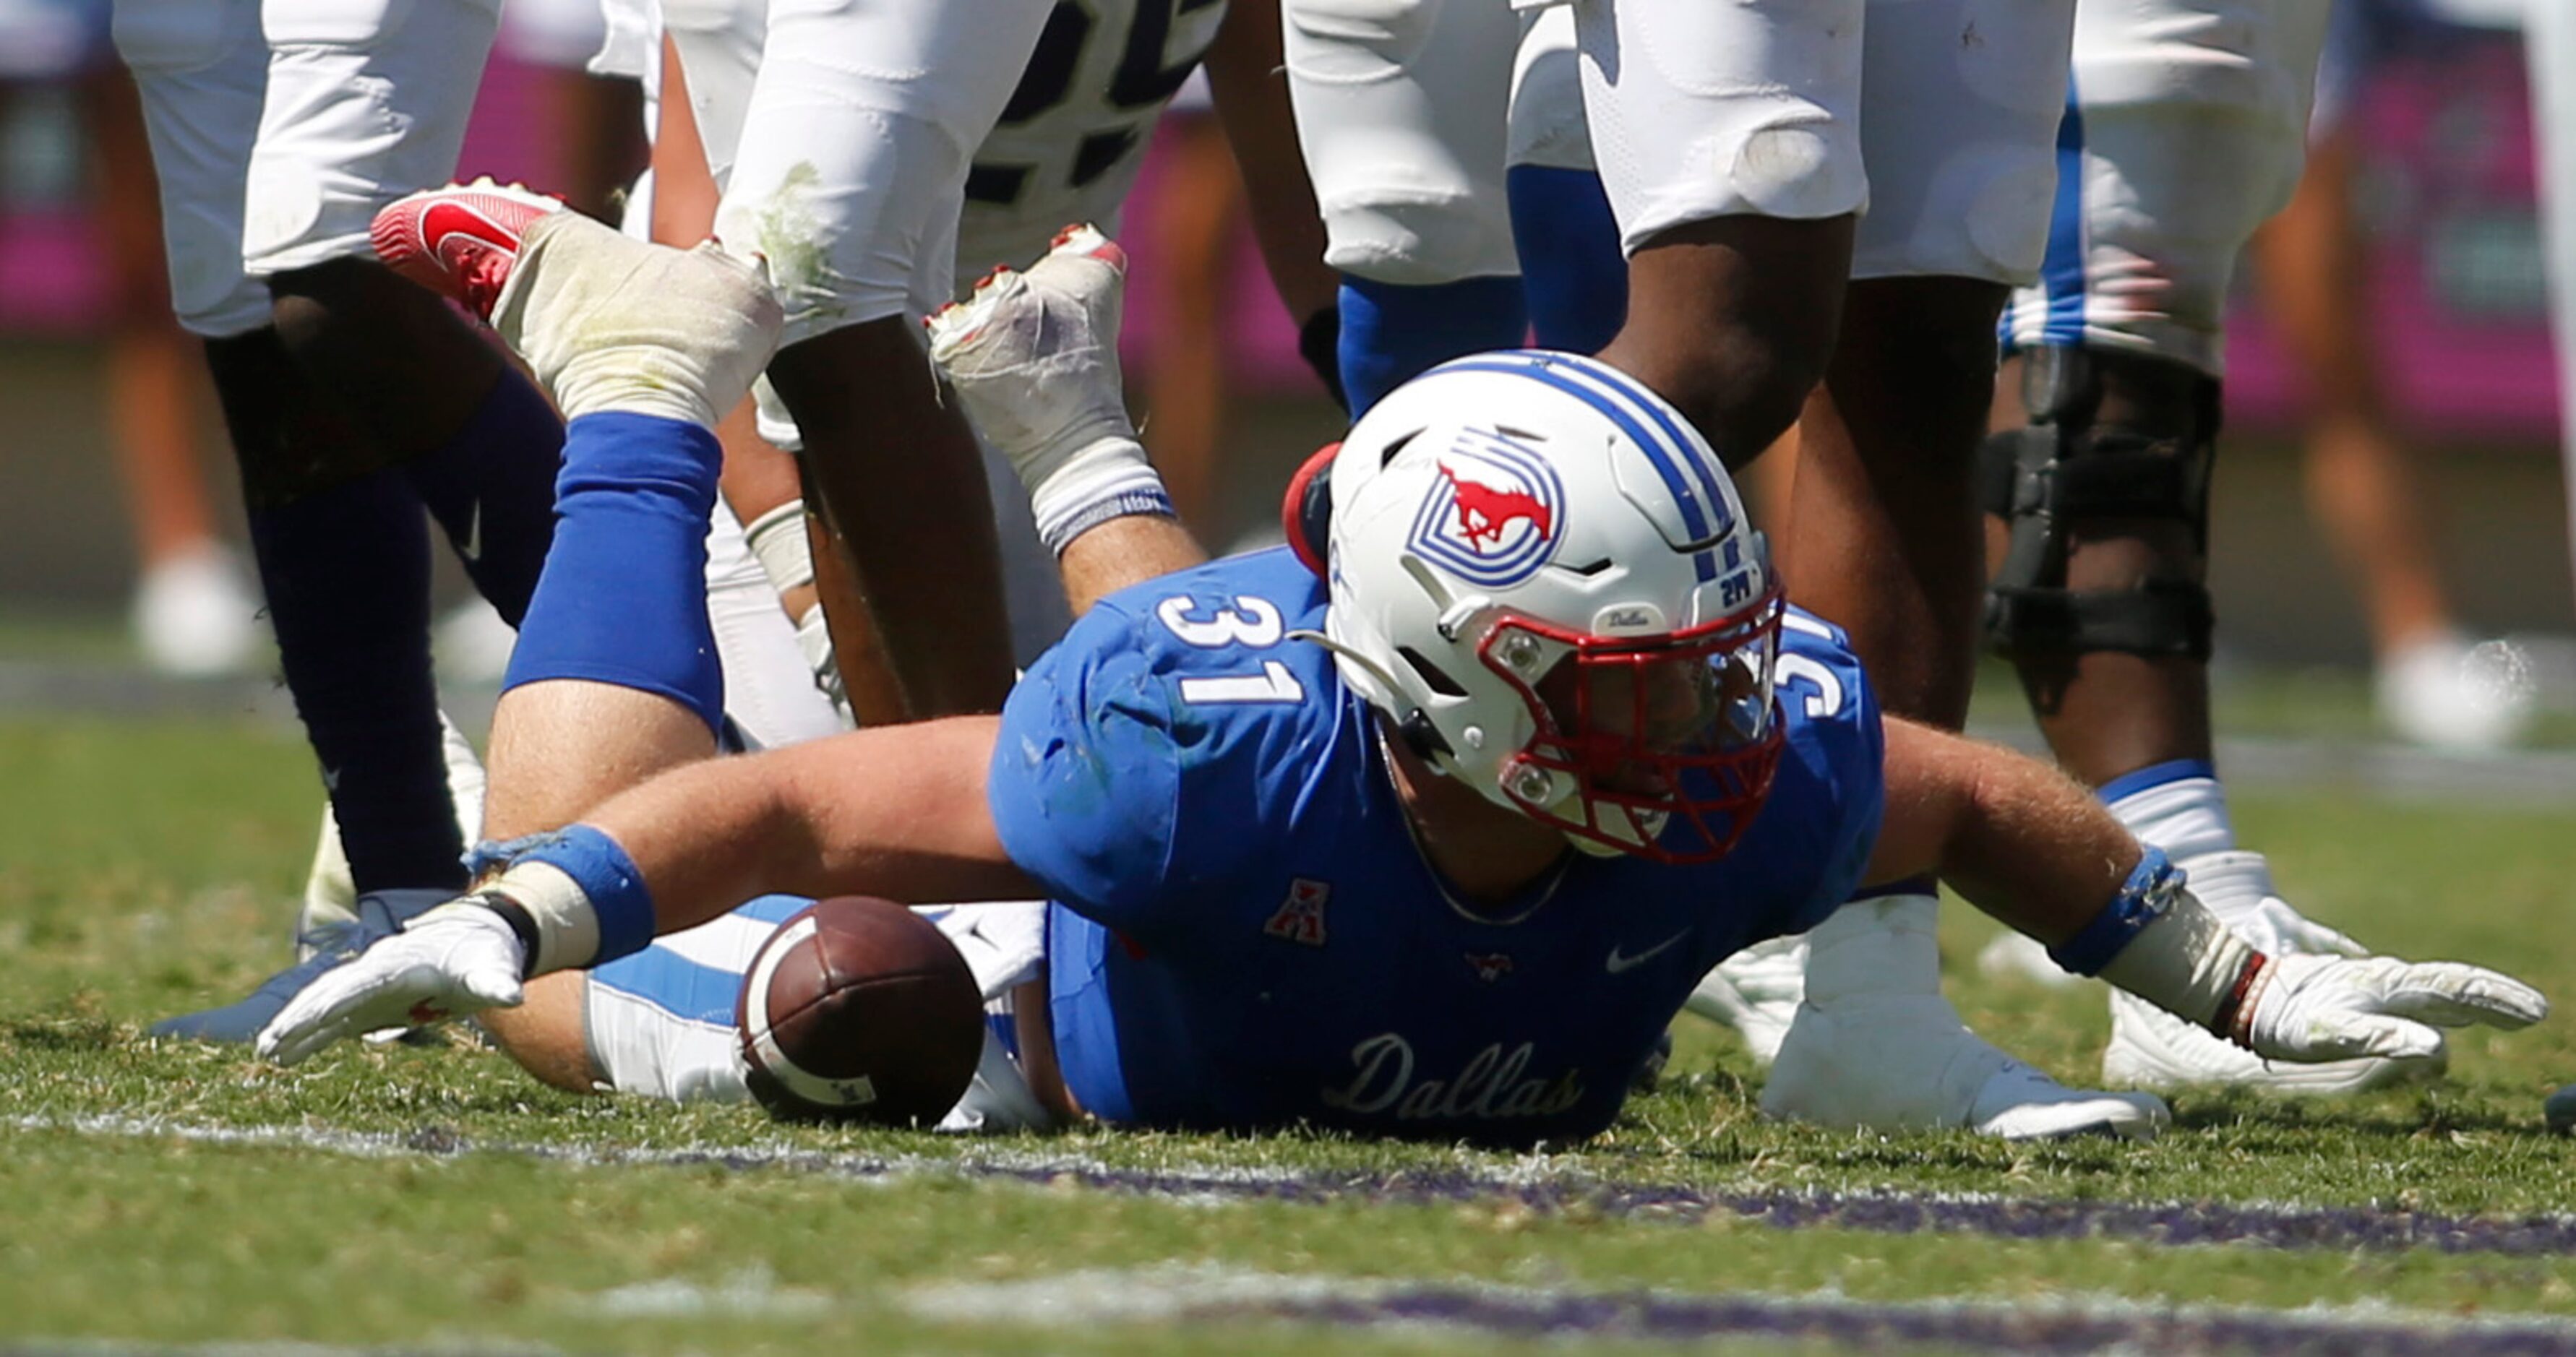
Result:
[{"x": 1670, "y": 741}]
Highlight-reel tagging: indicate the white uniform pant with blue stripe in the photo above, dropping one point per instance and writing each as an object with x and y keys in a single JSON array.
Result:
[
  {"x": 2185, "y": 128},
  {"x": 661, "y": 1022}
]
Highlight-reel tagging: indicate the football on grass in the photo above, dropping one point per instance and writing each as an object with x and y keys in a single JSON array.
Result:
[{"x": 860, "y": 1010}]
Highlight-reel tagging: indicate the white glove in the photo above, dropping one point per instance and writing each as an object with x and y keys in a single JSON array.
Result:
[
  {"x": 2286, "y": 930},
  {"x": 458, "y": 958},
  {"x": 2310, "y": 1008}
]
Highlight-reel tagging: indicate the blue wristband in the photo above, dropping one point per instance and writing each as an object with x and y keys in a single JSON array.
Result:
[
  {"x": 2143, "y": 899},
  {"x": 605, "y": 874}
]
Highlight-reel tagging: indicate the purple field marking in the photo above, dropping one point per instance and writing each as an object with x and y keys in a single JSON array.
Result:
[
  {"x": 2172, "y": 1223},
  {"x": 2287, "y": 1227},
  {"x": 1878, "y": 1326},
  {"x": 1188, "y": 1293}
]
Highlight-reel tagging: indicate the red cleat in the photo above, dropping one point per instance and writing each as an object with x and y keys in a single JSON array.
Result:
[{"x": 460, "y": 241}]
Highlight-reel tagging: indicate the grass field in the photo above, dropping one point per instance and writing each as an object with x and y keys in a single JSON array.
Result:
[{"x": 156, "y": 1193}]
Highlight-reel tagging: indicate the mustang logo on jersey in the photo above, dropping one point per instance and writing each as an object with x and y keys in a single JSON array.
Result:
[
  {"x": 1492, "y": 1084},
  {"x": 1493, "y": 516},
  {"x": 1489, "y": 966}
]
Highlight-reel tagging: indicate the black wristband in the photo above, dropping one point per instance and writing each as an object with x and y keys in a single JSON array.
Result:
[
  {"x": 521, "y": 922},
  {"x": 1319, "y": 342}
]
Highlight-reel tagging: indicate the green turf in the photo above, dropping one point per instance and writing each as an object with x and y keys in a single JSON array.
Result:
[{"x": 146, "y": 868}]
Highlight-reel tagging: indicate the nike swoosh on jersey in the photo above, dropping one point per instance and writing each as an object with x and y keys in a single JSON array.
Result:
[{"x": 1618, "y": 962}]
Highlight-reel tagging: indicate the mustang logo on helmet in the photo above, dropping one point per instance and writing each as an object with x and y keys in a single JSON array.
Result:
[{"x": 1492, "y": 517}]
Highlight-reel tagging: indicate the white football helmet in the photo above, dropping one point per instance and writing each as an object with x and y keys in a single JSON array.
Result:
[{"x": 1543, "y": 576}]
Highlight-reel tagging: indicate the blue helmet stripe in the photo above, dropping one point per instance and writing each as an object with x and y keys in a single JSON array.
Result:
[
  {"x": 1683, "y": 445},
  {"x": 1694, "y": 518}
]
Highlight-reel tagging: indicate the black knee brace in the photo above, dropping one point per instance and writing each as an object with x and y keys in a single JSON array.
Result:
[{"x": 2066, "y": 467}]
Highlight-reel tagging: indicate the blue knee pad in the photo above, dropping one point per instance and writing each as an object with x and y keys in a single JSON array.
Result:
[
  {"x": 1571, "y": 268},
  {"x": 623, "y": 597},
  {"x": 1393, "y": 333}
]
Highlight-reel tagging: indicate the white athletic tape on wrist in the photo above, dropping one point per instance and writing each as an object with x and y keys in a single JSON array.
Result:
[
  {"x": 814, "y": 637},
  {"x": 567, "y": 924},
  {"x": 778, "y": 541},
  {"x": 2189, "y": 964},
  {"x": 1108, "y": 479}
]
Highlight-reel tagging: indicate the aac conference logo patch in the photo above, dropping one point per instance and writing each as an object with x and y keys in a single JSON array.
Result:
[{"x": 1494, "y": 513}]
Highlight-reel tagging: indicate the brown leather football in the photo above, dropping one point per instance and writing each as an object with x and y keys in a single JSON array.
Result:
[{"x": 858, "y": 1009}]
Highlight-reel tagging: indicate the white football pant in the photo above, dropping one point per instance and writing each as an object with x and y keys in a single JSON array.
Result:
[{"x": 2188, "y": 129}]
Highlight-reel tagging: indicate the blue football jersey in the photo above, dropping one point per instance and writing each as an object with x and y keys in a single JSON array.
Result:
[{"x": 1244, "y": 933}]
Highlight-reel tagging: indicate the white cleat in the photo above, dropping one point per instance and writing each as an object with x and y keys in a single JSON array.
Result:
[
  {"x": 1756, "y": 992},
  {"x": 1875, "y": 1045},
  {"x": 2153, "y": 1049},
  {"x": 196, "y": 614},
  {"x": 1034, "y": 355},
  {"x": 2447, "y": 693}
]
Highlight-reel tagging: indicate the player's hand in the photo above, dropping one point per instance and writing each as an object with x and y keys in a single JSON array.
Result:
[
  {"x": 458, "y": 958},
  {"x": 2291, "y": 931},
  {"x": 2313, "y": 1008}
]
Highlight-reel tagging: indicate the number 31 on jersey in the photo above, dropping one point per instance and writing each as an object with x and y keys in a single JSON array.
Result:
[{"x": 1253, "y": 623}]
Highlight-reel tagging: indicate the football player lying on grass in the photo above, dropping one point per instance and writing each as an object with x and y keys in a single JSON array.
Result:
[{"x": 1431, "y": 842}]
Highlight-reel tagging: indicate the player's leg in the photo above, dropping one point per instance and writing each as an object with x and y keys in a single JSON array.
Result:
[
  {"x": 761, "y": 484},
  {"x": 1732, "y": 160},
  {"x": 1563, "y": 231},
  {"x": 1401, "y": 110},
  {"x": 1033, "y": 357},
  {"x": 1884, "y": 536},
  {"x": 1734, "y": 316},
  {"x": 194, "y": 612},
  {"x": 848, "y": 182},
  {"x": 2186, "y": 130},
  {"x": 363, "y": 106},
  {"x": 339, "y": 538}
]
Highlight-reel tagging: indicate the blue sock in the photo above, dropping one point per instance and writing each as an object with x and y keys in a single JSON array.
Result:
[
  {"x": 1393, "y": 333},
  {"x": 346, "y": 572},
  {"x": 1571, "y": 267},
  {"x": 623, "y": 598},
  {"x": 492, "y": 488}
]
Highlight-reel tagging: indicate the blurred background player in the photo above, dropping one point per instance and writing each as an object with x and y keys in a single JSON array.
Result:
[
  {"x": 194, "y": 612},
  {"x": 2364, "y": 484}
]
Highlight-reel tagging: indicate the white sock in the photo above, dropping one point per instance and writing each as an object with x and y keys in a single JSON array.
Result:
[
  {"x": 2185, "y": 815},
  {"x": 1886, "y": 944}
]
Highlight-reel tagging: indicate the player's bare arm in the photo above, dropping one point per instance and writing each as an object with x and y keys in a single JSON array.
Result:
[
  {"x": 2016, "y": 836},
  {"x": 896, "y": 812},
  {"x": 2027, "y": 845}
]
